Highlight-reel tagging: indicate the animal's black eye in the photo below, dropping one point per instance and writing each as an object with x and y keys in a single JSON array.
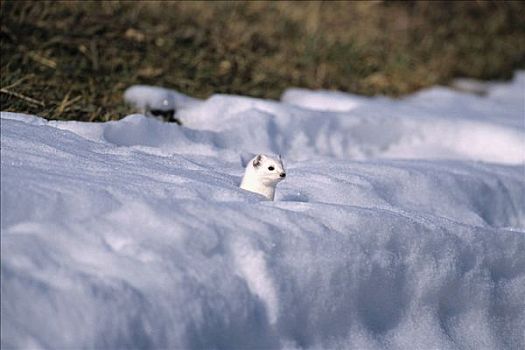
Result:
[{"x": 271, "y": 168}]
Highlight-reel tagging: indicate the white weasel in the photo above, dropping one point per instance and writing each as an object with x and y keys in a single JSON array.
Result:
[{"x": 262, "y": 174}]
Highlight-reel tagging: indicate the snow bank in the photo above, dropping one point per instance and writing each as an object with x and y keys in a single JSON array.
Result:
[{"x": 401, "y": 224}]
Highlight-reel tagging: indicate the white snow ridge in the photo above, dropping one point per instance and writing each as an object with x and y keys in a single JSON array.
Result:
[{"x": 400, "y": 225}]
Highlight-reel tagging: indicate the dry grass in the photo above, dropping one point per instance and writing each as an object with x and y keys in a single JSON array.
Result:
[{"x": 73, "y": 60}]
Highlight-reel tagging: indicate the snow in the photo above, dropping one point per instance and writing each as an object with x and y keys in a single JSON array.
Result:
[{"x": 401, "y": 224}]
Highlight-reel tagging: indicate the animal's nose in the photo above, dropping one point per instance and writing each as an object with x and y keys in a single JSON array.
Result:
[{"x": 283, "y": 175}]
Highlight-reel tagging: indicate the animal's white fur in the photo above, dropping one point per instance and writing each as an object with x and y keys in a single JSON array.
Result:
[{"x": 259, "y": 179}]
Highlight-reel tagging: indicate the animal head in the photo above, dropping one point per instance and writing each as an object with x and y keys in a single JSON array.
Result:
[{"x": 267, "y": 170}]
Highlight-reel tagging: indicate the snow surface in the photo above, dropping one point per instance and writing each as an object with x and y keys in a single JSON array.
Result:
[{"x": 400, "y": 225}]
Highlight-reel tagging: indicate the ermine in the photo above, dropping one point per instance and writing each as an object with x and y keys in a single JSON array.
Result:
[{"x": 262, "y": 174}]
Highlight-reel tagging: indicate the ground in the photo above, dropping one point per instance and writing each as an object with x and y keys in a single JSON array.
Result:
[
  {"x": 73, "y": 60},
  {"x": 400, "y": 224}
]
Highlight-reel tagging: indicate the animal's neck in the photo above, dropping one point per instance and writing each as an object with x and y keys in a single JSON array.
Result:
[
  {"x": 254, "y": 185},
  {"x": 267, "y": 191}
]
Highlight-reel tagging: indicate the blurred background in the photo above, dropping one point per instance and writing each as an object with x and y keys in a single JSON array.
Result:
[{"x": 73, "y": 60}]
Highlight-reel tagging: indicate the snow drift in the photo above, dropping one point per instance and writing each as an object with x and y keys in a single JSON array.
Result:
[{"x": 401, "y": 224}]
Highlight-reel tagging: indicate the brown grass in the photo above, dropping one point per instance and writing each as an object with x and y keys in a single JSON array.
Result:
[{"x": 73, "y": 60}]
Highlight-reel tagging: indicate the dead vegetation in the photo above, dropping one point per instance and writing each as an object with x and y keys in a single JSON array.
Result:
[{"x": 73, "y": 60}]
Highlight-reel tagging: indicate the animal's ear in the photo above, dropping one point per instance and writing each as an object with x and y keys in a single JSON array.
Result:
[{"x": 257, "y": 161}]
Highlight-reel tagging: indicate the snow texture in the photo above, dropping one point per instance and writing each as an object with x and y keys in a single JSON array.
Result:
[{"x": 400, "y": 225}]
